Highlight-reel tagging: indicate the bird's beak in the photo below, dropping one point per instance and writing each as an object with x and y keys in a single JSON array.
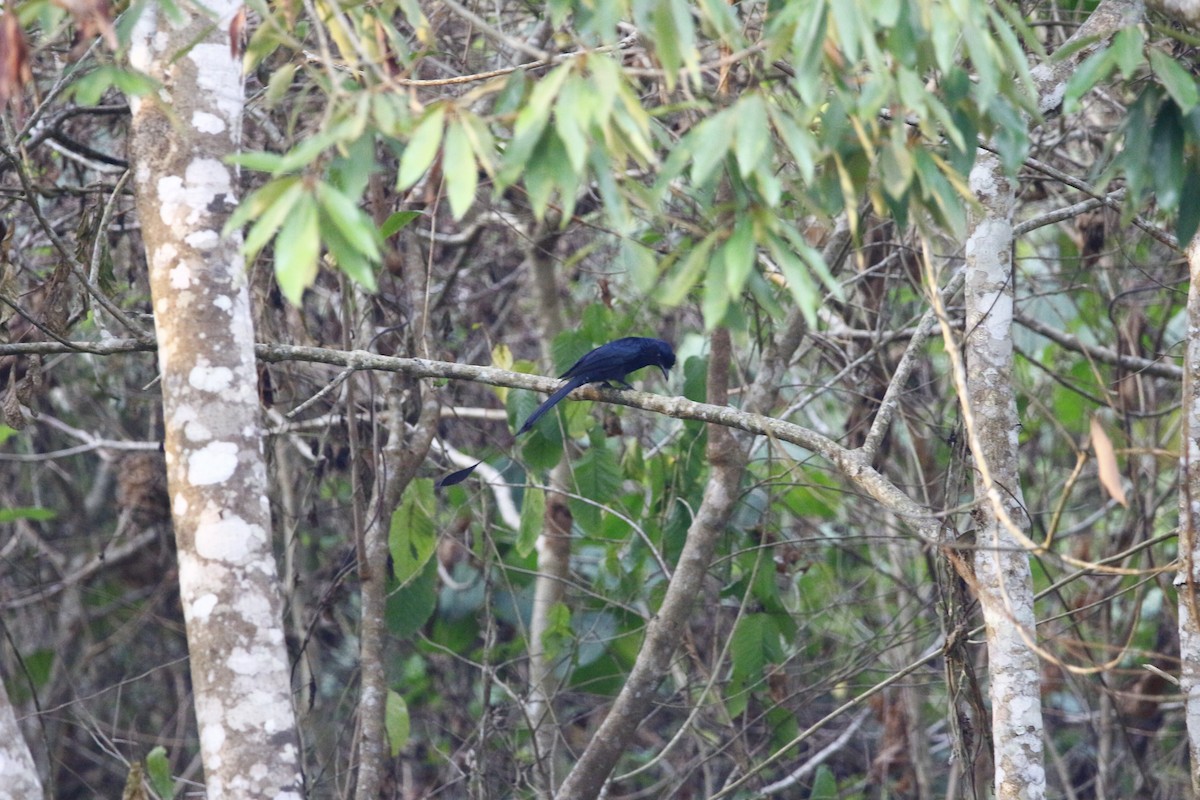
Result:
[{"x": 664, "y": 372}]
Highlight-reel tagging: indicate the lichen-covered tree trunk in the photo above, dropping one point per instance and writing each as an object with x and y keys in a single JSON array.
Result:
[
  {"x": 1004, "y": 583},
  {"x": 1189, "y": 512},
  {"x": 217, "y": 477},
  {"x": 18, "y": 774}
]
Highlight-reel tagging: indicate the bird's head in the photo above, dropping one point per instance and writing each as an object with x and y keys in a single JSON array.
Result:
[{"x": 664, "y": 356}]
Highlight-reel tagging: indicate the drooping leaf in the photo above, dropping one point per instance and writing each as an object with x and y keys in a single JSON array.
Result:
[
  {"x": 412, "y": 537},
  {"x": 297, "y": 249},
  {"x": 421, "y": 149},
  {"x": 396, "y": 722}
]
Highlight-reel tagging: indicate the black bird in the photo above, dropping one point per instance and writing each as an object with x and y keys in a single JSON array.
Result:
[{"x": 608, "y": 362}]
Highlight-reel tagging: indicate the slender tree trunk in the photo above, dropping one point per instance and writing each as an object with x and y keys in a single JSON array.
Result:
[
  {"x": 217, "y": 478},
  {"x": 1004, "y": 581},
  {"x": 1189, "y": 512},
  {"x": 18, "y": 774},
  {"x": 665, "y": 631},
  {"x": 553, "y": 544}
]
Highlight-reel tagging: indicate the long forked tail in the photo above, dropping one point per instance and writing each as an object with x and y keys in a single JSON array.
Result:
[{"x": 551, "y": 402}]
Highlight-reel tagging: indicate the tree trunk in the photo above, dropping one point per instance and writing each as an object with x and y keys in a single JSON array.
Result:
[{"x": 217, "y": 478}]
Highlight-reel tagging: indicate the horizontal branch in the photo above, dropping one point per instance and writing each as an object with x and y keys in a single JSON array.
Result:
[{"x": 850, "y": 463}]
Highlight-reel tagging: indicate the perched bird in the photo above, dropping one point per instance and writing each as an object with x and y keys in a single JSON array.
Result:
[{"x": 608, "y": 363}]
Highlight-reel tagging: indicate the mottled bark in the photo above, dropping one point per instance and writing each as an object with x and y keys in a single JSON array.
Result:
[
  {"x": 228, "y": 580},
  {"x": 18, "y": 774},
  {"x": 1004, "y": 583},
  {"x": 1189, "y": 513}
]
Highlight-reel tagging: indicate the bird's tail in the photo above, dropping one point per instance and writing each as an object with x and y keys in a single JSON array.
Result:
[{"x": 550, "y": 403}]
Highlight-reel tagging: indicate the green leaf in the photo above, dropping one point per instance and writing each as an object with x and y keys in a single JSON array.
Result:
[
  {"x": 531, "y": 123},
  {"x": 597, "y": 478},
  {"x": 412, "y": 538},
  {"x": 1189, "y": 205},
  {"x": 297, "y": 249},
  {"x": 458, "y": 166},
  {"x": 396, "y": 722},
  {"x": 533, "y": 517},
  {"x": 799, "y": 282},
  {"x": 349, "y": 260},
  {"x": 351, "y": 221},
  {"x": 800, "y": 143},
  {"x": 158, "y": 769},
  {"x": 688, "y": 273},
  {"x": 716, "y": 295},
  {"x": 824, "y": 785},
  {"x": 409, "y": 607},
  {"x": 256, "y": 160},
  {"x": 276, "y": 201},
  {"x": 1126, "y": 47},
  {"x": 35, "y": 513},
  {"x": 1177, "y": 80},
  {"x": 278, "y": 85},
  {"x": 739, "y": 252},
  {"x": 422, "y": 148},
  {"x": 1094, "y": 69},
  {"x": 752, "y": 132},
  {"x": 572, "y": 116},
  {"x": 711, "y": 140},
  {"x": 396, "y": 222}
]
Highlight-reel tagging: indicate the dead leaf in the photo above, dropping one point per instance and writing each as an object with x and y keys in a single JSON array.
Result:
[
  {"x": 92, "y": 18},
  {"x": 15, "y": 69},
  {"x": 1106, "y": 462},
  {"x": 237, "y": 34}
]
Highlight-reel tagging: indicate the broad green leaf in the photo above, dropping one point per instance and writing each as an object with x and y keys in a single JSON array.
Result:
[
  {"x": 458, "y": 167},
  {"x": 286, "y": 193},
  {"x": 1189, "y": 204},
  {"x": 572, "y": 116},
  {"x": 1178, "y": 82},
  {"x": 422, "y": 148},
  {"x": 1166, "y": 156},
  {"x": 800, "y": 143},
  {"x": 738, "y": 253},
  {"x": 531, "y": 123},
  {"x": 799, "y": 281},
  {"x": 825, "y": 786},
  {"x": 279, "y": 84},
  {"x": 357, "y": 266},
  {"x": 409, "y": 607},
  {"x": 533, "y": 517},
  {"x": 1127, "y": 50},
  {"x": 688, "y": 273},
  {"x": 396, "y": 222},
  {"x": 396, "y": 722},
  {"x": 716, "y": 294},
  {"x": 158, "y": 769},
  {"x": 412, "y": 538},
  {"x": 753, "y": 135},
  {"x": 258, "y": 202},
  {"x": 712, "y": 139},
  {"x": 597, "y": 477},
  {"x": 1094, "y": 69},
  {"x": 353, "y": 223},
  {"x": 297, "y": 249}
]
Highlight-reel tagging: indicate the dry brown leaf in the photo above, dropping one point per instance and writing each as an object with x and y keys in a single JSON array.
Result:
[
  {"x": 15, "y": 69},
  {"x": 237, "y": 34},
  {"x": 1106, "y": 462},
  {"x": 92, "y": 18}
]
